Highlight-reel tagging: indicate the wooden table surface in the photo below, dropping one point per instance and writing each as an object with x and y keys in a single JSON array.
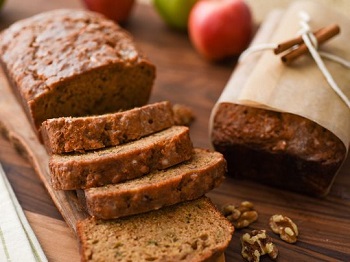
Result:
[{"x": 184, "y": 77}]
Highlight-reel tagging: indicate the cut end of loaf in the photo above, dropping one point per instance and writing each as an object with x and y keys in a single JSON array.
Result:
[
  {"x": 190, "y": 231},
  {"x": 279, "y": 149},
  {"x": 102, "y": 90}
]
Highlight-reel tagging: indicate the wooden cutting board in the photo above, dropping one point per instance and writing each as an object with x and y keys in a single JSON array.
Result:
[{"x": 15, "y": 126}]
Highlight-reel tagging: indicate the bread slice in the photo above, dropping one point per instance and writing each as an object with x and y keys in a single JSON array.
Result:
[
  {"x": 190, "y": 231},
  {"x": 186, "y": 181},
  {"x": 115, "y": 164},
  {"x": 68, "y": 134},
  {"x": 70, "y": 62}
]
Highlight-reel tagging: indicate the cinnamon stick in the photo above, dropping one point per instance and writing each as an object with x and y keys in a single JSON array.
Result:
[
  {"x": 321, "y": 35},
  {"x": 292, "y": 42}
]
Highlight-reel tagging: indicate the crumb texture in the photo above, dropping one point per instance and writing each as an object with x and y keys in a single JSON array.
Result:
[{"x": 190, "y": 231}]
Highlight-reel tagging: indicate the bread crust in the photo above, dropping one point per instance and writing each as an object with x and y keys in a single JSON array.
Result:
[{"x": 80, "y": 134}]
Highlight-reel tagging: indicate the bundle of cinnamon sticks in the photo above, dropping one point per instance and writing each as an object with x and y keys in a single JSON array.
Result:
[{"x": 296, "y": 46}]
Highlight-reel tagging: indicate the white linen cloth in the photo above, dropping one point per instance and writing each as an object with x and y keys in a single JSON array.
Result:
[{"x": 17, "y": 239}]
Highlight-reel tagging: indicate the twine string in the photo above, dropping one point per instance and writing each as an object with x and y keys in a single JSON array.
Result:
[{"x": 311, "y": 43}]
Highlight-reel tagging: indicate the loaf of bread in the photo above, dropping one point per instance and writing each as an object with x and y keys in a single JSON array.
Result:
[
  {"x": 79, "y": 134},
  {"x": 74, "y": 63},
  {"x": 280, "y": 149},
  {"x": 190, "y": 231},
  {"x": 186, "y": 181},
  {"x": 115, "y": 164}
]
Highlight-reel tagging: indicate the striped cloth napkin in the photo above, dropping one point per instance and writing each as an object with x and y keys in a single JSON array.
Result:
[{"x": 17, "y": 240}]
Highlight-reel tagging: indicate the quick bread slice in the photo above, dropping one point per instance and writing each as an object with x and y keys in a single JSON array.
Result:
[
  {"x": 68, "y": 134},
  {"x": 116, "y": 164},
  {"x": 186, "y": 181},
  {"x": 191, "y": 231}
]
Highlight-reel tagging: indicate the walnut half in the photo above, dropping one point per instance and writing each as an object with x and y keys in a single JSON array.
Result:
[
  {"x": 183, "y": 115},
  {"x": 256, "y": 244},
  {"x": 285, "y": 227},
  {"x": 241, "y": 216}
]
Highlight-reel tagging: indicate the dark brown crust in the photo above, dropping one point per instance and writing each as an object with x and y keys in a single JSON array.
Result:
[
  {"x": 65, "y": 62},
  {"x": 279, "y": 149},
  {"x": 186, "y": 181},
  {"x": 79, "y": 134},
  {"x": 123, "y": 162},
  {"x": 16, "y": 91}
]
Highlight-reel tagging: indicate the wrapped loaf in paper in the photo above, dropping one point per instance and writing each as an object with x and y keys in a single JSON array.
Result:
[{"x": 284, "y": 125}]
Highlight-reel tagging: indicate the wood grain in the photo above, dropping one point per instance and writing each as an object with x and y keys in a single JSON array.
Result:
[
  {"x": 182, "y": 77},
  {"x": 16, "y": 128},
  {"x": 62, "y": 245}
]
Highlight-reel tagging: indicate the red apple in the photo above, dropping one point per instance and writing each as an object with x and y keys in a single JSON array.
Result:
[
  {"x": 117, "y": 10},
  {"x": 220, "y": 28}
]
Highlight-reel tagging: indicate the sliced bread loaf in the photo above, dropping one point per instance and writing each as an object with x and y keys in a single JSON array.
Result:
[
  {"x": 72, "y": 62},
  {"x": 190, "y": 231},
  {"x": 68, "y": 134},
  {"x": 185, "y": 181},
  {"x": 115, "y": 164}
]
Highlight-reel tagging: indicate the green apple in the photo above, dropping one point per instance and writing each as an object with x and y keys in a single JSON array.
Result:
[
  {"x": 2, "y": 3},
  {"x": 174, "y": 12}
]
